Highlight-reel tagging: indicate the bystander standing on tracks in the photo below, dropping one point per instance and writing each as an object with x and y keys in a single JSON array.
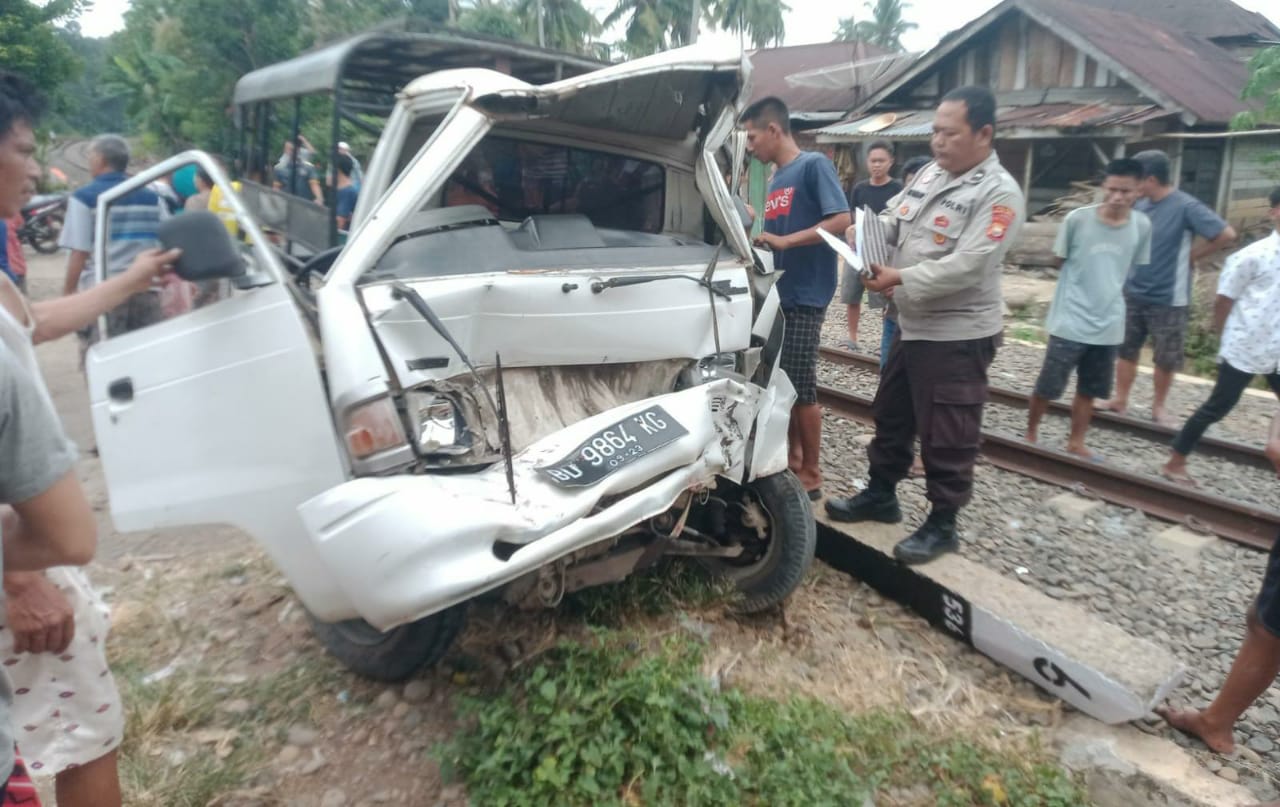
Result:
[
  {"x": 873, "y": 193},
  {"x": 1096, "y": 247},
  {"x": 1246, "y": 315},
  {"x": 953, "y": 225},
  {"x": 1257, "y": 663},
  {"x": 1157, "y": 295},
  {"x": 804, "y": 196}
]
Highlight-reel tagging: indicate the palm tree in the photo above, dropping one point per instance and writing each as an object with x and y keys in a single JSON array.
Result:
[
  {"x": 885, "y": 28},
  {"x": 652, "y": 25},
  {"x": 760, "y": 21},
  {"x": 566, "y": 24}
]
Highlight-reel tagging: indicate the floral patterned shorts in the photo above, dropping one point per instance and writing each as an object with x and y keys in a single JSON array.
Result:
[{"x": 66, "y": 709}]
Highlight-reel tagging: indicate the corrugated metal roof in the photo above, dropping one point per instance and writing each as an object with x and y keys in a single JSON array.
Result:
[
  {"x": 772, "y": 66},
  {"x": 919, "y": 123},
  {"x": 1212, "y": 19},
  {"x": 1199, "y": 76}
]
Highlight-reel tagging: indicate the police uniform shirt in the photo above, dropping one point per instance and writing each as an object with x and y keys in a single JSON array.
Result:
[{"x": 951, "y": 236}]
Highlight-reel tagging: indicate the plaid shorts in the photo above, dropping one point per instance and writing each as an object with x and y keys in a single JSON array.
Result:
[
  {"x": 801, "y": 335},
  {"x": 1165, "y": 324},
  {"x": 1095, "y": 366}
]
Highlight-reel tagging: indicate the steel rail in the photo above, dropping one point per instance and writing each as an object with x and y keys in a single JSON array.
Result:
[
  {"x": 1247, "y": 524},
  {"x": 1230, "y": 450}
]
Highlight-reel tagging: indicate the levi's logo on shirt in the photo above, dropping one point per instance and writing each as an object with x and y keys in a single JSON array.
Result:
[{"x": 779, "y": 203}]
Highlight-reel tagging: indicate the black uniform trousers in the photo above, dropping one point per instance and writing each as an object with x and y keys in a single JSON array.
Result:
[{"x": 936, "y": 390}]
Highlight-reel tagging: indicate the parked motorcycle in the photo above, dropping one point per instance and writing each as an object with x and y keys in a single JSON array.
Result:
[{"x": 42, "y": 222}]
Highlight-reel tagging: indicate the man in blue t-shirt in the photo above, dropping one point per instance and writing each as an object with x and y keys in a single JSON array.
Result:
[
  {"x": 345, "y": 202},
  {"x": 804, "y": 196},
  {"x": 1157, "y": 294}
]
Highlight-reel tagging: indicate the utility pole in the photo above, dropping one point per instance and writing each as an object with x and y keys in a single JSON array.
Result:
[
  {"x": 693, "y": 22},
  {"x": 542, "y": 27}
]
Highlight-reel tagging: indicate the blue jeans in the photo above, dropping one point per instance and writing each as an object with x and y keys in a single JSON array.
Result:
[{"x": 889, "y": 330}]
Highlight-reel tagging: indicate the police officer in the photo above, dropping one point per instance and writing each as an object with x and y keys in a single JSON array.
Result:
[{"x": 952, "y": 226}]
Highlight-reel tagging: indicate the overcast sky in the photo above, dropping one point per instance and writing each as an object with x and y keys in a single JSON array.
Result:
[{"x": 808, "y": 21}]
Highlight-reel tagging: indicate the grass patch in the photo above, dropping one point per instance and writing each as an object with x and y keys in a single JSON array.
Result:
[
  {"x": 1028, "y": 333},
  {"x": 181, "y": 746},
  {"x": 671, "y": 585},
  {"x": 616, "y": 721}
]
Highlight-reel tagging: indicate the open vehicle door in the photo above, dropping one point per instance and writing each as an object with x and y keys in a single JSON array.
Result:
[{"x": 218, "y": 414}]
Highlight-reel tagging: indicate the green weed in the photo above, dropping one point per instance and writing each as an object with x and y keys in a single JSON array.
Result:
[{"x": 622, "y": 721}]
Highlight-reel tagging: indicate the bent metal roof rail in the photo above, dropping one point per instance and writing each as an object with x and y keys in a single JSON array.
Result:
[{"x": 381, "y": 62}]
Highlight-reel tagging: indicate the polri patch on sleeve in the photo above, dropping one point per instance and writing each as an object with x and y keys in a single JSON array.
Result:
[{"x": 1001, "y": 218}]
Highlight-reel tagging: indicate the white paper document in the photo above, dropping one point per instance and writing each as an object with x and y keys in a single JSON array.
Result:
[{"x": 871, "y": 240}]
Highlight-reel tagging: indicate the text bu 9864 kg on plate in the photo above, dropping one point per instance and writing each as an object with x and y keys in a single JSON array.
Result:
[{"x": 615, "y": 447}]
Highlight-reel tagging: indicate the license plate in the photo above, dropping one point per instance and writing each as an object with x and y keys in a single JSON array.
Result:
[{"x": 615, "y": 447}]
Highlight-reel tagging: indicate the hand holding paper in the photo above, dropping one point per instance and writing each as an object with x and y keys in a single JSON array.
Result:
[{"x": 870, "y": 243}]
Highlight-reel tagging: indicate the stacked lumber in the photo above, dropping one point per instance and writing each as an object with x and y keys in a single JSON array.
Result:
[{"x": 1080, "y": 195}]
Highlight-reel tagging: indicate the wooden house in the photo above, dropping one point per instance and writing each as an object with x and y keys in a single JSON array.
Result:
[{"x": 1079, "y": 82}]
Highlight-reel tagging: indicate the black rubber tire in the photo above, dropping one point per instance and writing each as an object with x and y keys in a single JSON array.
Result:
[
  {"x": 398, "y": 653},
  {"x": 792, "y": 541},
  {"x": 49, "y": 244}
]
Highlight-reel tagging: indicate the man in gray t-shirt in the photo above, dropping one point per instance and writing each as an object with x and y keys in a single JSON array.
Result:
[
  {"x": 34, "y": 457},
  {"x": 1158, "y": 293},
  {"x": 1096, "y": 248}
]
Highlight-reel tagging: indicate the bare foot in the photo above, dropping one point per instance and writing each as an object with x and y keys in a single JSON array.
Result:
[
  {"x": 1031, "y": 436},
  {"x": 1192, "y": 722},
  {"x": 1084, "y": 453},
  {"x": 1119, "y": 407},
  {"x": 1164, "y": 419},
  {"x": 1176, "y": 473}
]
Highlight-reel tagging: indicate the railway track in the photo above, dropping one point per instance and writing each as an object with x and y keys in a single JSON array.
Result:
[
  {"x": 1229, "y": 450},
  {"x": 1235, "y": 521}
]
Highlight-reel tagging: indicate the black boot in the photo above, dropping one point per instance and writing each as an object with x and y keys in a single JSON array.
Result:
[
  {"x": 877, "y": 503},
  {"x": 934, "y": 537}
]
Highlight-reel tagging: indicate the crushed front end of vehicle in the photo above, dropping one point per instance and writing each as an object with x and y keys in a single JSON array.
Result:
[{"x": 545, "y": 383}]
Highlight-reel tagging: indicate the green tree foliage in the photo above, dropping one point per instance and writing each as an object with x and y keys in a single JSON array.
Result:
[
  {"x": 177, "y": 61},
  {"x": 652, "y": 25},
  {"x": 566, "y": 24},
  {"x": 494, "y": 18},
  {"x": 30, "y": 46},
  {"x": 759, "y": 21},
  {"x": 1263, "y": 87},
  {"x": 885, "y": 28},
  {"x": 87, "y": 107}
]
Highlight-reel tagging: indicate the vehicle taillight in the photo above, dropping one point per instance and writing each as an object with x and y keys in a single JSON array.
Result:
[{"x": 373, "y": 428}]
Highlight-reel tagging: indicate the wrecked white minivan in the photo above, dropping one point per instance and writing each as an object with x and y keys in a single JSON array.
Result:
[{"x": 545, "y": 358}]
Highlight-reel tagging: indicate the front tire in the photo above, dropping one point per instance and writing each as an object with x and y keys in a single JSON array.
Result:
[
  {"x": 769, "y": 578},
  {"x": 396, "y": 654}
]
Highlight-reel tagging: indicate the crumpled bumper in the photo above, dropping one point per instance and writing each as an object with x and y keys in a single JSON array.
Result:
[{"x": 404, "y": 547}]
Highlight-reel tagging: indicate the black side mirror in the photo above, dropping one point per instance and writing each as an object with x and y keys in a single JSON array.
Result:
[{"x": 208, "y": 253}]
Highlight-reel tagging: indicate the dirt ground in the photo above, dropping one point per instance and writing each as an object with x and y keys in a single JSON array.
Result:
[{"x": 232, "y": 701}]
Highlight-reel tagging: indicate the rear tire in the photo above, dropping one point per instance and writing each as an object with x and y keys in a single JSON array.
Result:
[
  {"x": 793, "y": 538},
  {"x": 394, "y": 655}
]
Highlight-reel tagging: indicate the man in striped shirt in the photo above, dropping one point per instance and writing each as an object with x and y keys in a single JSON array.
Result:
[{"x": 131, "y": 229}]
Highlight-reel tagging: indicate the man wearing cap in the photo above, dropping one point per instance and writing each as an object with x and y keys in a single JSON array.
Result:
[
  {"x": 1157, "y": 295},
  {"x": 952, "y": 226},
  {"x": 357, "y": 173}
]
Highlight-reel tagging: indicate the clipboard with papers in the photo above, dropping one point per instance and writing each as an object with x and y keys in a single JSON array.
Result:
[{"x": 871, "y": 243}]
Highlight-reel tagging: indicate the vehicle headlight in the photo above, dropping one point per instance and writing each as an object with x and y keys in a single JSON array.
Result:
[
  {"x": 711, "y": 368},
  {"x": 373, "y": 428},
  {"x": 438, "y": 427}
]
